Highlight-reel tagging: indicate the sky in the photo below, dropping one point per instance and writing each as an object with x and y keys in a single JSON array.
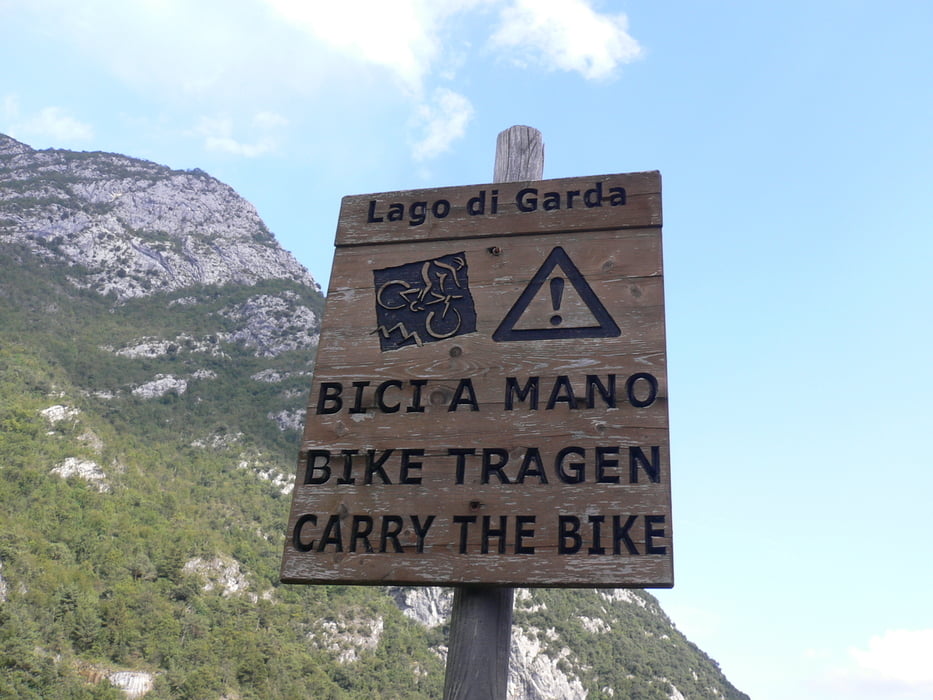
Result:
[{"x": 795, "y": 142}]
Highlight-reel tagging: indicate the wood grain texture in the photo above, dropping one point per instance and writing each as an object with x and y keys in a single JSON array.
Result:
[
  {"x": 481, "y": 626},
  {"x": 642, "y": 208},
  {"x": 433, "y": 428},
  {"x": 519, "y": 155}
]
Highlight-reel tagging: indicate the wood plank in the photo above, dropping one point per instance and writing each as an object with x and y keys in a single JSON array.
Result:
[
  {"x": 442, "y": 429},
  {"x": 439, "y": 464},
  {"x": 614, "y": 254},
  {"x": 365, "y": 219},
  {"x": 465, "y": 553}
]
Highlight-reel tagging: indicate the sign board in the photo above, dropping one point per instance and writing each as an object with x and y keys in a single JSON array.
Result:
[{"x": 489, "y": 402}]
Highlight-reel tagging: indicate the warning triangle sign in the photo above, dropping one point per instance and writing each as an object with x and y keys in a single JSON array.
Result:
[{"x": 524, "y": 320}]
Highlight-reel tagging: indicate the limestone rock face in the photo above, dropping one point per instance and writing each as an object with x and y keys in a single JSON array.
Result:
[
  {"x": 84, "y": 469},
  {"x": 428, "y": 606},
  {"x": 137, "y": 227},
  {"x": 545, "y": 662},
  {"x": 271, "y": 325},
  {"x": 134, "y": 683}
]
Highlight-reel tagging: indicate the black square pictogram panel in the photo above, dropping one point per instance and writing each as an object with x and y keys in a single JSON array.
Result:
[{"x": 423, "y": 302}]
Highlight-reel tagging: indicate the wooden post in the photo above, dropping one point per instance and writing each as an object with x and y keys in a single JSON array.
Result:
[
  {"x": 481, "y": 621},
  {"x": 519, "y": 155}
]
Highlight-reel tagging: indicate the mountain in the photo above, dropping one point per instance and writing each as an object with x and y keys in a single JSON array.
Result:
[
  {"x": 156, "y": 346},
  {"x": 136, "y": 228}
]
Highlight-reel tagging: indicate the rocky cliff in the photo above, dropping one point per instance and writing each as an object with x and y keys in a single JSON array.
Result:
[{"x": 135, "y": 226}]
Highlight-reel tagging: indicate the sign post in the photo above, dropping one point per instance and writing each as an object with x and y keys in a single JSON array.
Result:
[
  {"x": 481, "y": 619},
  {"x": 489, "y": 402}
]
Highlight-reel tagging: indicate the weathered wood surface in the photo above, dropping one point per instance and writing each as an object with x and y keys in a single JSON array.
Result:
[
  {"x": 540, "y": 565},
  {"x": 622, "y": 267},
  {"x": 403, "y": 401},
  {"x": 642, "y": 208},
  {"x": 478, "y": 652},
  {"x": 519, "y": 155}
]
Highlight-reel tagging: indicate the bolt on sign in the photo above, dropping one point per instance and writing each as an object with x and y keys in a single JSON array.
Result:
[{"x": 489, "y": 402}]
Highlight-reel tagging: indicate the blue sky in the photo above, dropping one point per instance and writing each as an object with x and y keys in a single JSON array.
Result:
[{"x": 795, "y": 141}]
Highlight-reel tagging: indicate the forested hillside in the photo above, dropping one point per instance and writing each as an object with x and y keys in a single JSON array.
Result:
[{"x": 150, "y": 408}]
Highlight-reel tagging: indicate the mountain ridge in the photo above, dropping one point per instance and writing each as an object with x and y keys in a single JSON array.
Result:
[{"x": 137, "y": 227}]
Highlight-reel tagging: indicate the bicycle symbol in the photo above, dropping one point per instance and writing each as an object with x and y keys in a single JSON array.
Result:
[{"x": 423, "y": 302}]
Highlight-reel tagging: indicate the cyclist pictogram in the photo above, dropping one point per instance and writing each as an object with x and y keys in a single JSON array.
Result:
[{"x": 423, "y": 302}]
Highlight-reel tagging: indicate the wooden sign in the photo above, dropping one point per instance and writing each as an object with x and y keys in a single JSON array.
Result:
[{"x": 489, "y": 402}]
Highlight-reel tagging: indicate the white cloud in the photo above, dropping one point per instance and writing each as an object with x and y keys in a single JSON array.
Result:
[
  {"x": 177, "y": 52},
  {"x": 55, "y": 123},
  {"x": 371, "y": 56},
  {"x": 269, "y": 120},
  {"x": 566, "y": 35},
  {"x": 901, "y": 656},
  {"x": 231, "y": 47},
  {"x": 441, "y": 123},
  {"x": 896, "y": 665},
  {"x": 235, "y": 50},
  {"x": 9, "y": 113},
  {"x": 50, "y": 125},
  {"x": 218, "y": 133},
  {"x": 399, "y": 36}
]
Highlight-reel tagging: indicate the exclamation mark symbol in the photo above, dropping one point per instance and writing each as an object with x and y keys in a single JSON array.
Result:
[{"x": 557, "y": 293}]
